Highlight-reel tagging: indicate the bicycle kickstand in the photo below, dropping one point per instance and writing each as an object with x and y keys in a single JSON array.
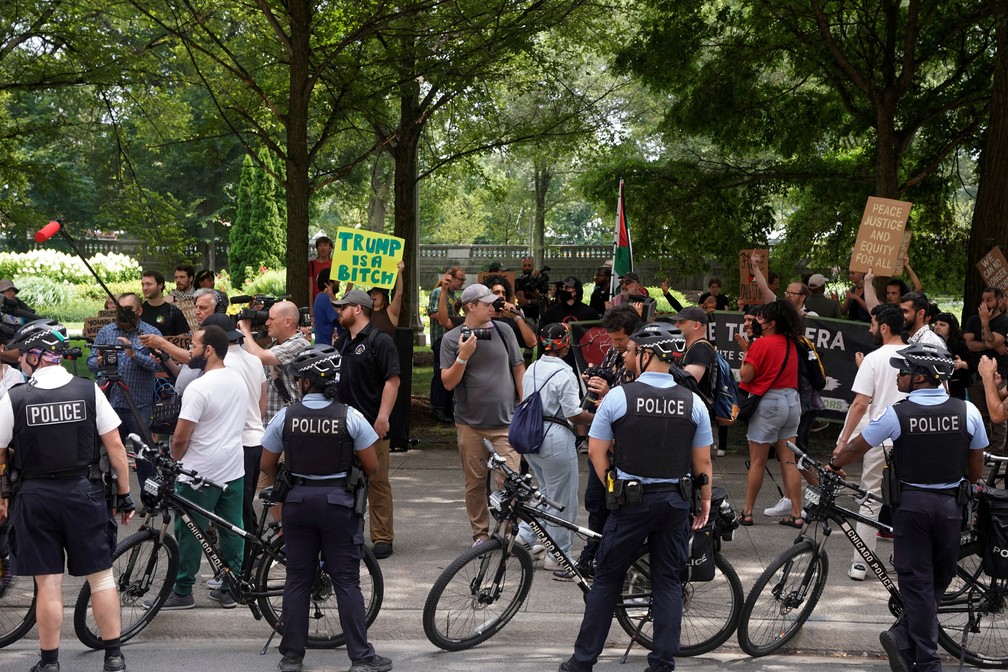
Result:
[
  {"x": 270, "y": 640},
  {"x": 633, "y": 639}
]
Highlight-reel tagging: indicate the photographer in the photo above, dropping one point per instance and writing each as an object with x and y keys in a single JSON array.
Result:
[
  {"x": 530, "y": 288},
  {"x": 483, "y": 357},
  {"x": 288, "y": 341},
  {"x": 568, "y": 308},
  {"x": 134, "y": 365},
  {"x": 505, "y": 312}
]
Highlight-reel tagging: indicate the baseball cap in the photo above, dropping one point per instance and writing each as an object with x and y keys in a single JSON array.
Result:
[
  {"x": 478, "y": 292},
  {"x": 692, "y": 313},
  {"x": 356, "y": 297},
  {"x": 630, "y": 277},
  {"x": 8, "y": 284},
  {"x": 226, "y": 323},
  {"x": 816, "y": 281}
]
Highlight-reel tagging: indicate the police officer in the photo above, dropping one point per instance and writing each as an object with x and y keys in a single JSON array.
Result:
[
  {"x": 938, "y": 443},
  {"x": 319, "y": 437},
  {"x": 662, "y": 434},
  {"x": 50, "y": 428}
]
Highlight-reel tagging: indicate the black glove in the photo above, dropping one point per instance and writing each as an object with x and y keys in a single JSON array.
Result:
[{"x": 124, "y": 503}]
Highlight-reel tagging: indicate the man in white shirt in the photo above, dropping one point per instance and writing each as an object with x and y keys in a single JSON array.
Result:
[
  {"x": 208, "y": 439},
  {"x": 875, "y": 390},
  {"x": 915, "y": 307}
]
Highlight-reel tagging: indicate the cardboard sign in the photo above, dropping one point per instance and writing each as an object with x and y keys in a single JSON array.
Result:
[
  {"x": 880, "y": 236},
  {"x": 188, "y": 308},
  {"x": 508, "y": 275},
  {"x": 749, "y": 291},
  {"x": 366, "y": 258},
  {"x": 994, "y": 269},
  {"x": 93, "y": 325},
  {"x": 904, "y": 251}
]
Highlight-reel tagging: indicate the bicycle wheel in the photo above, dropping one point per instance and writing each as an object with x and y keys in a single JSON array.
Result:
[
  {"x": 981, "y": 603},
  {"x": 324, "y": 629},
  {"x": 144, "y": 568},
  {"x": 782, "y": 599},
  {"x": 710, "y": 612},
  {"x": 17, "y": 603},
  {"x": 477, "y": 595}
]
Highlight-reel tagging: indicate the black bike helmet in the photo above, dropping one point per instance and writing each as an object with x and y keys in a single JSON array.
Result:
[
  {"x": 319, "y": 363},
  {"x": 44, "y": 335},
  {"x": 933, "y": 361},
  {"x": 664, "y": 340}
]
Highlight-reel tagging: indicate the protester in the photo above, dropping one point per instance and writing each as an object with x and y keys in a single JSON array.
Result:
[
  {"x": 817, "y": 302},
  {"x": 509, "y": 314},
  {"x": 385, "y": 314},
  {"x": 157, "y": 312},
  {"x": 325, "y": 316},
  {"x": 322, "y": 261},
  {"x": 946, "y": 325},
  {"x": 713, "y": 289},
  {"x": 985, "y": 337},
  {"x": 184, "y": 288},
  {"x": 853, "y": 307},
  {"x": 441, "y": 399},
  {"x": 601, "y": 292},
  {"x": 630, "y": 285}
]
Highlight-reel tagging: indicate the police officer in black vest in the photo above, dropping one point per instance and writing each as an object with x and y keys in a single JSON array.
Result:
[
  {"x": 938, "y": 445},
  {"x": 662, "y": 436},
  {"x": 322, "y": 512},
  {"x": 50, "y": 431}
]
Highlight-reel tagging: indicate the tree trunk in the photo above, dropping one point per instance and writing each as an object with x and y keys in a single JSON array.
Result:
[
  {"x": 541, "y": 177},
  {"x": 297, "y": 186},
  {"x": 378, "y": 198},
  {"x": 887, "y": 155},
  {"x": 990, "y": 213},
  {"x": 407, "y": 198}
]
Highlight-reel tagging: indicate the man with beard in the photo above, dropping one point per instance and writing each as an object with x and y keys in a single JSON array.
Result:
[
  {"x": 603, "y": 288},
  {"x": 184, "y": 288},
  {"x": 568, "y": 308},
  {"x": 528, "y": 290},
  {"x": 136, "y": 366},
  {"x": 875, "y": 389},
  {"x": 915, "y": 307},
  {"x": 157, "y": 312}
]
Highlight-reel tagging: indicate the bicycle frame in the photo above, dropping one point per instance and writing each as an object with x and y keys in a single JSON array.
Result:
[{"x": 532, "y": 517}]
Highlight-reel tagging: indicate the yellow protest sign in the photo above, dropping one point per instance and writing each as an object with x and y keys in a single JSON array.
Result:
[{"x": 366, "y": 258}]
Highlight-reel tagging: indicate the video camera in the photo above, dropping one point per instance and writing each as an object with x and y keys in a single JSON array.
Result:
[
  {"x": 605, "y": 374},
  {"x": 109, "y": 353},
  {"x": 257, "y": 311}
]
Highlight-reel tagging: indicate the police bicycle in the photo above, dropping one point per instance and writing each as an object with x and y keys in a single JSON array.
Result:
[
  {"x": 479, "y": 593},
  {"x": 972, "y": 617},
  {"x": 144, "y": 564},
  {"x": 17, "y": 601}
]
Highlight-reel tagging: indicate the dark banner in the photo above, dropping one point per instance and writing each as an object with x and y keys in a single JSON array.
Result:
[{"x": 835, "y": 340}]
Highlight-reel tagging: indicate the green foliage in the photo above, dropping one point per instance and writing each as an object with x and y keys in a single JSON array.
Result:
[
  {"x": 60, "y": 267},
  {"x": 67, "y": 302},
  {"x": 257, "y": 234},
  {"x": 268, "y": 281}
]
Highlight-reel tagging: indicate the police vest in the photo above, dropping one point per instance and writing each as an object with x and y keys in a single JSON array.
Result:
[
  {"x": 933, "y": 446},
  {"x": 316, "y": 441},
  {"x": 654, "y": 438},
  {"x": 55, "y": 430}
]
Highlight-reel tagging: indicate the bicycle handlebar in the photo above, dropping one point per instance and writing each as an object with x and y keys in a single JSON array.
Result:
[
  {"x": 162, "y": 459},
  {"x": 498, "y": 462},
  {"x": 826, "y": 474}
]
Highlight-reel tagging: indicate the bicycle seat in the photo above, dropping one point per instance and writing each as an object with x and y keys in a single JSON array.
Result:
[{"x": 267, "y": 494}]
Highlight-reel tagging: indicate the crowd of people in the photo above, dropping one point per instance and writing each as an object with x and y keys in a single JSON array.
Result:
[{"x": 643, "y": 415}]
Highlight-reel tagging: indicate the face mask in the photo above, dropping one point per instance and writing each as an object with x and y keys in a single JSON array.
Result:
[
  {"x": 198, "y": 363},
  {"x": 757, "y": 329},
  {"x": 563, "y": 296}
]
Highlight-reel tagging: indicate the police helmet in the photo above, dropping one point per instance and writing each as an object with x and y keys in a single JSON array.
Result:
[
  {"x": 665, "y": 340},
  {"x": 45, "y": 335},
  {"x": 933, "y": 361},
  {"x": 319, "y": 363}
]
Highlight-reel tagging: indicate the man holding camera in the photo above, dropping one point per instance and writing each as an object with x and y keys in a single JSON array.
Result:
[
  {"x": 483, "y": 356},
  {"x": 282, "y": 326},
  {"x": 134, "y": 364},
  {"x": 369, "y": 382}
]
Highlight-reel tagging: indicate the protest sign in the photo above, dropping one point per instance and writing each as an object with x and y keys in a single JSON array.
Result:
[
  {"x": 93, "y": 325},
  {"x": 749, "y": 292},
  {"x": 994, "y": 269},
  {"x": 366, "y": 258},
  {"x": 880, "y": 236},
  {"x": 188, "y": 308},
  {"x": 904, "y": 251}
]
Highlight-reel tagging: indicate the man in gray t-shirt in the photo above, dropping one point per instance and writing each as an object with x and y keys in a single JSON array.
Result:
[{"x": 478, "y": 372}]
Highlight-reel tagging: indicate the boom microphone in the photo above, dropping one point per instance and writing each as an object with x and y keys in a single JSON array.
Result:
[{"x": 47, "y": 232}]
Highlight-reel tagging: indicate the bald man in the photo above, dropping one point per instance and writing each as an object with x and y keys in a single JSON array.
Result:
[{"x": 288, "y": 341}]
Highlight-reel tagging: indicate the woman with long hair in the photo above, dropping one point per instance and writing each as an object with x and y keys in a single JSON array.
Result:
[
  {"x": 770, "y": 369},
  {"x": 947, "y": 326}
]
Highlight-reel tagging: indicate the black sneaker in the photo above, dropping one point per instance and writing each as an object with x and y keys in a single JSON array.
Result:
[
  {"x": 290, "y": 663},
  {"x": 897, "y": 663},
  {"x": 174, "y": 602},
  {"x": 382, "y": 549},
  {"x": 570, "y": 666},
  {"x": 586, "y": 568},
  {"x": 115, "y": 664},
  {"x": 375, "y": 663},
  {"x": 224, "y": 598},
  {"x": 48, "y": 667}
]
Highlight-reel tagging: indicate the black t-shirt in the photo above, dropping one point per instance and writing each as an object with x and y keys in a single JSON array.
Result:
[
  {"x": 368, "y": 361},
  {"x": 702, "y": 353},
  {"x": 998, "y": 325},
  {"x": 166, "y": 318},
  {"x": 598, "y": 298}
]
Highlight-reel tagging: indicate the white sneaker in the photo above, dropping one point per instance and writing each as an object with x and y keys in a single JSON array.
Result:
[
  {"x": 535, "y": 550},
  {"x": 720, "y": 452},
  {"x": 781, "y": 508},
  {"x": 215, "y": 583},
  {"x": 857, "y": 571},
  {"x": 550, "y": 563}
]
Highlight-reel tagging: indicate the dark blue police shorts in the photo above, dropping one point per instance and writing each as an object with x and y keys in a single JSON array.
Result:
[{"x": 53, "y": 516}]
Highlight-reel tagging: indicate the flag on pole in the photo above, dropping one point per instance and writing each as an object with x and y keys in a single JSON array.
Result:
[{"x": 622, "y": 248}]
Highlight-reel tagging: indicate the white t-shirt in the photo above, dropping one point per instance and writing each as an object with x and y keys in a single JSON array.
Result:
[
  {"x": 49, "y": 378},
  {"x": 250, "y": 368},
  {"x": 11, "y": 376},
  {"x": 877, "y": 379},
  {"x": 215, "y": 447}
]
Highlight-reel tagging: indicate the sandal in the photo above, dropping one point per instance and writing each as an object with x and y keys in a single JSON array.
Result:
[
  {"x": 745, "y": 518},
  {"x": 791, "y": 521}
]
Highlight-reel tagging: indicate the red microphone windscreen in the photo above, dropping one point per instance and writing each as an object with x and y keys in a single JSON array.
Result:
[{"x": 47, "y": 232}]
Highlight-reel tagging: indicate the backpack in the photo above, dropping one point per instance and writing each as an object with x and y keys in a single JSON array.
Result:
[
  {"x": 724, "y": 398},
  {"x": 815, "y": 374},
  {"x": 527, "y": 429}
]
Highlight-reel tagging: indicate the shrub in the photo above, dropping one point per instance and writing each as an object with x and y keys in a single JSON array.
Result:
[
  {"x": 62, "y": 267},
  {"x": 43, "y": 294},
  {"x": 273, "y": 282}
]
